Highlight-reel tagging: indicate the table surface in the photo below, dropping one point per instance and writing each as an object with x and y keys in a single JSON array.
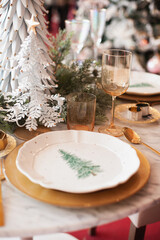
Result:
[{"x": 27, "y": 217}]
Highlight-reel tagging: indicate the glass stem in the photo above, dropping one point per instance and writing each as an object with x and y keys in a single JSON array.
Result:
[
  {"x": 95, "y": 51},
  {"x": 112, "y": 111},
  {"x": 75, "y": 55}
]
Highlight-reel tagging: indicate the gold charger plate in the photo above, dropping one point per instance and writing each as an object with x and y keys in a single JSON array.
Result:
[
  {"x": 138, "y": 98},
  {"x": 11, "y": 144},
  {"x": 121, "y": 111},
  {"x": 63, "y": 199}
]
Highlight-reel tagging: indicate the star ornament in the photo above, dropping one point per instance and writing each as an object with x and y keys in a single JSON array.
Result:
[{"x": 32, "y": 24}]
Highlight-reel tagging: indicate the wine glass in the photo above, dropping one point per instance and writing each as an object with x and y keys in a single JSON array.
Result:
[
  {"x": 116, "y": 65},
  {"x": 79, "y": 30},
  {"x": 97, "y": 20}
]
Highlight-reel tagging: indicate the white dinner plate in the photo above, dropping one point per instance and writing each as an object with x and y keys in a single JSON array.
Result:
[
  {"x": 143, "y": 83},
  {"x": 77, "y": 161}
]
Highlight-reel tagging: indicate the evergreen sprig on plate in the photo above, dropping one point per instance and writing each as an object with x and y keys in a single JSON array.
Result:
[{"x": 83, "y": 168}]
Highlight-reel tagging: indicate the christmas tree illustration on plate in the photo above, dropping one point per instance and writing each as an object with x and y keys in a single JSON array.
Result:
[{"x": 82, "y": 167}]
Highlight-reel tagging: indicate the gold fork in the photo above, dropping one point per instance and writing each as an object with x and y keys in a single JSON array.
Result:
[{"x": 1, "y": 205}]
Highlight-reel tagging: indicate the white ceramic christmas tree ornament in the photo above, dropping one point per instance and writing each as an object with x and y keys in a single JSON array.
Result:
[
  {"x": 33, "y": 104},
  {"x": 13, "y": 31}
]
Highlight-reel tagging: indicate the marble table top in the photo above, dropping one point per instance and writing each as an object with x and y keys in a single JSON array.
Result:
[{"x": 27, "y": 217}]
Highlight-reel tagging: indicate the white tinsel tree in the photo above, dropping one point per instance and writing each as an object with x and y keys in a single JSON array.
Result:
[
  {"x": 32, "y": 102},
  {"x": 13, "y": 31}
]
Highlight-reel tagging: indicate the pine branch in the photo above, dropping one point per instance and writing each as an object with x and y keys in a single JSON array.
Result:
[
  {"x": 79, "y": 76},
  {"x": 85, "y": 78},
  {"x": 4, "y": 125},
  {"x": 61, "y": 47}
]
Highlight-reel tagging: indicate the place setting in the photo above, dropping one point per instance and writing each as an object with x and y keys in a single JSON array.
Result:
[
  {"x": 79, "y": 168},
  {"x": 80, "y": 179}
]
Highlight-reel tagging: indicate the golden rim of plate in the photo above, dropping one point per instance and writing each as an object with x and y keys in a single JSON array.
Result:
[
  {"x": 65, "y": 199},
  {"x": 11, "y": 144},
  {"x": 123, "y": 108}
]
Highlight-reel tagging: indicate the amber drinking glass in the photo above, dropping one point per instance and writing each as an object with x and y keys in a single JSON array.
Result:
[{"x": 81, "y": 111}]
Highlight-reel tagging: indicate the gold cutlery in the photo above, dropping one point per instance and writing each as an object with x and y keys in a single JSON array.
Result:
[
  {"x": 1, "y": 205},
  {"x": 133, "y": 137}
]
